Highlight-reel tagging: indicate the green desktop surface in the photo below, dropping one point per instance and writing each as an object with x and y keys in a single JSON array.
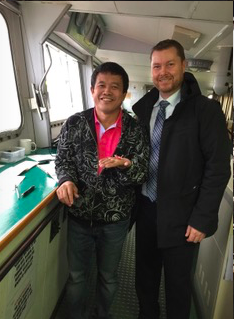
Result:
[{"x": 12, "y": 209}]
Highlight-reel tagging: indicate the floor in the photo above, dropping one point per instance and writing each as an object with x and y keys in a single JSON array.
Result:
[{"x": 125, "y": 305}]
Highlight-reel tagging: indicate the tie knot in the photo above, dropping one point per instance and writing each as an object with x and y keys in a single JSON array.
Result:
[{"x": 164, "y": 104}]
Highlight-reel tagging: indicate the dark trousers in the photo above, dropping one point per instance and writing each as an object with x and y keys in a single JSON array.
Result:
[
  {"x": 107, "y": 241},
  {"x": 177, "y": 264}
]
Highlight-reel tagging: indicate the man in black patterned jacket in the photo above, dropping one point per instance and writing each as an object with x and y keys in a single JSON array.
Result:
[{"x": 102, "y": 156}]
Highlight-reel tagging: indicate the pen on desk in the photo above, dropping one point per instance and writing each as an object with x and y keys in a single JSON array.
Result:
[
  {"x": 44, "y": 162},
  {"x": 17, "y": 191},
  {"x": 28, "y": 191}
]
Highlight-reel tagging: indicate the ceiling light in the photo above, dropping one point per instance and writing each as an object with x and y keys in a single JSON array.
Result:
[{"x": 186, "y": 37}]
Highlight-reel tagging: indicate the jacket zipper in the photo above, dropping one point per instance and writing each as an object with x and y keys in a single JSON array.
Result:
[{"x": 91, "y": 221}]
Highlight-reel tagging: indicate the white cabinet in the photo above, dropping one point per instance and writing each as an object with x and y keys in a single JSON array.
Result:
[
  {"x": 34, "y": 282},
  {"x": 212, "y": 293}
]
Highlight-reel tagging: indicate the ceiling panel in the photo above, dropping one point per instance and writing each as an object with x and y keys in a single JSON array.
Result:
[
  {"x": 93, "y": 6},
  {"x": 149, "y": 22},
  {"x": 132, "y": 27},
  {"x": 214, "y": 11},
  {"x": 154, "y": 8}
]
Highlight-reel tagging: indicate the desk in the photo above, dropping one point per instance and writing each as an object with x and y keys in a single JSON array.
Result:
[
  {"x": 33, "y": 267},
  {"x": 16, "y": 213}
]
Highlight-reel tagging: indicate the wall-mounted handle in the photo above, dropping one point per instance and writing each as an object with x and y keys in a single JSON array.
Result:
[{"x": 43, "y": 79}]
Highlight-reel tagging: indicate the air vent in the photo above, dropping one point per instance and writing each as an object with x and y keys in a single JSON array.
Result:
[
  {"x": 198, "y": 65},
  {"x": 186, "y": 37}
]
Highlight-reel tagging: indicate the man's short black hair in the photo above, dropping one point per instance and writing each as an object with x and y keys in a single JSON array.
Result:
[
  {"x": 112, "y": 68},
  {"x": 166, "y": 44}
]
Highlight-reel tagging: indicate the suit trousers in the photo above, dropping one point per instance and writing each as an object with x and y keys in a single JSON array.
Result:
[{"x": 176, "y": 262}]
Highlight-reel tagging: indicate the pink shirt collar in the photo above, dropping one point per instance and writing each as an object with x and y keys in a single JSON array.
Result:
[{"x": 118, "y": 122}]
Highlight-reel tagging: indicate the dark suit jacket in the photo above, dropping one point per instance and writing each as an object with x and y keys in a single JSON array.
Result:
[{"x": 194, "y": 163}]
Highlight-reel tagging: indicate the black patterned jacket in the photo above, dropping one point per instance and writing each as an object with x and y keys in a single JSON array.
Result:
[{"x": 110, "y": 196}]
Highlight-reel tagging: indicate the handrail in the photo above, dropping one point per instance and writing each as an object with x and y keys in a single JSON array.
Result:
[{"x": 43, "y": 79}]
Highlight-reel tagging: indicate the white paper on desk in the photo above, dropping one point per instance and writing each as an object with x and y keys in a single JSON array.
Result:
[
  {"x": 49, "y": 169},
  {"x": 10, "y": 183},
  {"x": 18, "y": 169},
  {"x": 39, "y": 158}
]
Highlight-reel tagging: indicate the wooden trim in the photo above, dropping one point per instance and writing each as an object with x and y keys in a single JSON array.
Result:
[{"x": 26, "y": 220}]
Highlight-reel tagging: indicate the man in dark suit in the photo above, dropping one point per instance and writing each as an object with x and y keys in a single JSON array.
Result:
[{"x": 190, "y": 163}]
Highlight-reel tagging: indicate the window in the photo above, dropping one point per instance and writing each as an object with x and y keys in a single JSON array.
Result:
[
  {"x": 63, "y": 84},
  {"x": 10, "y": 114}
]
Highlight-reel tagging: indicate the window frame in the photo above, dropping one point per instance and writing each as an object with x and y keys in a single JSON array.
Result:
[
  {"x": 13, "y": 22},
  {"x": 81, "y": 59}
]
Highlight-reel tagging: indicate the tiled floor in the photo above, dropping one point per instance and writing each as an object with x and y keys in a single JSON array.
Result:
[{"x": 125, "y": 305}]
